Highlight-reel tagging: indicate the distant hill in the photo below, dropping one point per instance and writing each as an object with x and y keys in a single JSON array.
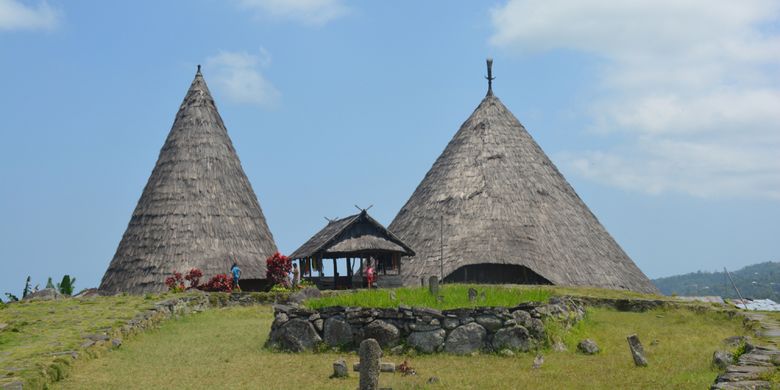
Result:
[{"x": 757, "y": 281}]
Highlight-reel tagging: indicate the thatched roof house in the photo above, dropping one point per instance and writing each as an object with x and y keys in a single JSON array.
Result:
[
  {"x": 197, "y": 209},
  {"x": 356, "y": 239},
  {"x": 508, "y": 215},
  {"x": 353, "y": 236}
]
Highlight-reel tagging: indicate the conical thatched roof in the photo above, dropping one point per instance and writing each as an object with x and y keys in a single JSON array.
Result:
[
  {"x": 197, "y": 210},
  {"x": 504, "y": 202}
]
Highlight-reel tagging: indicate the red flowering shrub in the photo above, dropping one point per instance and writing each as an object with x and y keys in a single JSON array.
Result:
[
  {"x": 175, "y": 283},
  {"x": 219, "y": 282},
  {"x": 277, "y": 269},
  {"x": 194, "y": 277}
]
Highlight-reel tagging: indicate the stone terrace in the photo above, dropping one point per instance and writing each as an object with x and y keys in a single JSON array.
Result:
[{"x": 457, "y": 331}]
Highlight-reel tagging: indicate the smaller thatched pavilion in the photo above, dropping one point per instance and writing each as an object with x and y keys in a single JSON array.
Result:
[{"x": 357, "y": 239}]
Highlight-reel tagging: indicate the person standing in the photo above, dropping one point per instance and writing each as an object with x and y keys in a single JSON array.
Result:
[
  {"x": 296, "y": 276},
  {"x": 236, "y": 276},
  {"x": 370, "y": 275}
]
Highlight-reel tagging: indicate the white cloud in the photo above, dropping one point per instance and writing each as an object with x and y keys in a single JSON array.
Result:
[
  {"x": 14, "y": 15},
  {"x": 238, "y": 76},
  {"x": 313, "y": 12},
  {"x": 692, "y": 85}
]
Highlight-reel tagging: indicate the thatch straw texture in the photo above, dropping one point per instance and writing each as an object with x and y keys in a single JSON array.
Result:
[
  {"x": 197, "y": 209},
  {"x": 352, "y": 236},
  {"x": 504, "y": 202}
]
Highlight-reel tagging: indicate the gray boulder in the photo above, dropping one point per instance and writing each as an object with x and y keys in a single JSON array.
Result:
[
  {"x": 340, "y": 369},
  {"x": 735, "y": 341},
  {"x": 306, "y": 293},
  {"x": 491, "y": 323},
  {"x": 387, "y": 335},
  {"x": 47, "y": 294},
  {"x": 535, "y": 327},
  {"x": 515, "y": 338},
  {"x": 588, "y": 347},
  {"x": 279, "y": 319},
  {"x": 538, "y": 361},
  {"x": 521, "y": 317},
  {"x": 559, "y": 346},
  {"x": 427, "y": 342},
  {"x": 465, "y": 339},
  {"x": 318, "y": 324},
  {"x": 337, "y": 332},
  {"x": 450, "y": 323},
  {"x": 296, "y": 335},
  {"x": 722, "y": 359}
]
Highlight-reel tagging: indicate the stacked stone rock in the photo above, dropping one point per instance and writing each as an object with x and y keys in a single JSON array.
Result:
[
  {"x": 457, "y": 331},
  {"x": 758, "y": 362}
]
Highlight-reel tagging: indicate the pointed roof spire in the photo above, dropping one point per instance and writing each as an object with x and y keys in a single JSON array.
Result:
[
  {"x": 198, "y": 209},
  {"x": 509, "y": 214},
  {"x": 490, "y": 77}
]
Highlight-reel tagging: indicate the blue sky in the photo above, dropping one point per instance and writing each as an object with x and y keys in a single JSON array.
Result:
[{"x": 664, "y": 115}]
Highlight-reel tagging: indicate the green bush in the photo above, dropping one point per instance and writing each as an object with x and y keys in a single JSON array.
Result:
[
  {"x": 279, "y": 288},
  {"x": 66, "y": 286}
]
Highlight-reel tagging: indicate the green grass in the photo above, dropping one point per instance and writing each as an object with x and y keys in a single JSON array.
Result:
[
  {"x": 223, "y": 349},
  {"x": 455, "y": 296},
  {"x": 37, "y": 329}
]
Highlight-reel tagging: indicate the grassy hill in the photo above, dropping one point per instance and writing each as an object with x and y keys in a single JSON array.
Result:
[
  {"x": 758, "y": 281},
  {"x": 223, "y": 348}
]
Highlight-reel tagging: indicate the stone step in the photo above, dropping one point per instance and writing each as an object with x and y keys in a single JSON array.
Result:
[{"x": 753, "y": 385}]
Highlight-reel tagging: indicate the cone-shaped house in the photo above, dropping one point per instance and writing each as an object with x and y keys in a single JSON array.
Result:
[
  {"x": 198, "y": 209},
  {"x": 494, "y": 209}
]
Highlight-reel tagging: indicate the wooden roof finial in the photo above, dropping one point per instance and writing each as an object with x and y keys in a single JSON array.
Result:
[{"x": 490, "y": 77}]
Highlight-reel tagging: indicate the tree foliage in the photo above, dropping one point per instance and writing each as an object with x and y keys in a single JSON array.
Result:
[
  {"x": 66, "y": 285},
  {"x": 27, "y": 290},
  {"x": 757, "y": 281}
]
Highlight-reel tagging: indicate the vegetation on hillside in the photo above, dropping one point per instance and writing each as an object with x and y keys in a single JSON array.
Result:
[
  {"x": 37, "y": 333},
  {"x": 758, "y": 281},
  {"x": 224, "y": 351},
  {"x": 66, "y": 286}
]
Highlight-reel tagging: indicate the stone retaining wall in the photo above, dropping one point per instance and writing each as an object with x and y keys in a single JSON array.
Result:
[{"x": 457, "y": 331}]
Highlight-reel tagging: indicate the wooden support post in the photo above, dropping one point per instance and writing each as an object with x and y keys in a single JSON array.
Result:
[
  {"x": 349, "y": 273},
  {"x": 335, "y": 274},
  {"x": 362, "y": 270}
]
